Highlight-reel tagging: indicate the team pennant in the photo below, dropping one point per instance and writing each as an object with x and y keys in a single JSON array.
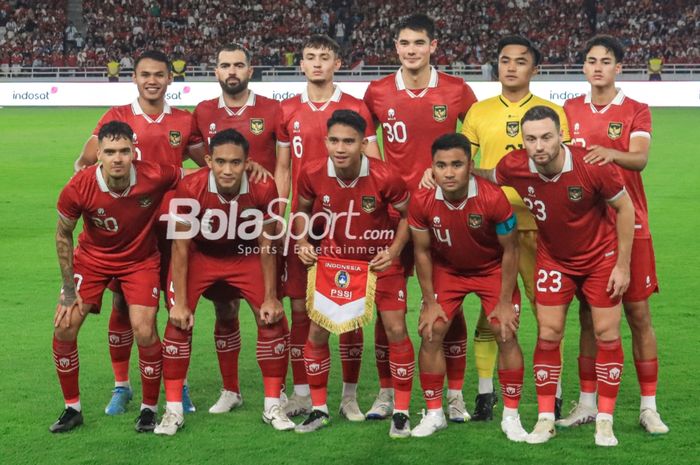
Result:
[{"x": 340, "y": 294}]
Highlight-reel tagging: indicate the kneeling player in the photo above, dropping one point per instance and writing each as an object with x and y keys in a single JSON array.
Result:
[
  {"x": 476, "y": 214},
  {"x": 118, "y": 200},
  {"x": 578, "y": 250},
  {"x": 345, "y": 180},
  {"x": 213, "y": 213}
]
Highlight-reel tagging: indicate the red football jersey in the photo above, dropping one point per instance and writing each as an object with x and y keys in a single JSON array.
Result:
[
  {"x": 227, "y": 226},
  {"x": 160, "y": 138},
  {"x": 369, "y": 229},
  {"x": 463, "y": 234},
  {"x": 117, "y": 227},
  {"x": 256, "y": 120},
  {"x": 574, "y": 222},
  {"x": 302, "y": 125},
  {"x": 411, "y": 120},
  {"x": 614, "y": 126}
]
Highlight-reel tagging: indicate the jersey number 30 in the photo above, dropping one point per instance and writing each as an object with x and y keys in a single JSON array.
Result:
[{"x": 395, "y": 132}]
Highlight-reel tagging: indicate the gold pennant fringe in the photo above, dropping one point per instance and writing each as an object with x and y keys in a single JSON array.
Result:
[{"x": 323, "y": 321}]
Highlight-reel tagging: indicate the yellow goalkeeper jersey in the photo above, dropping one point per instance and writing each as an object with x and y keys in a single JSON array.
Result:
[{"x": 493, "y": 129}]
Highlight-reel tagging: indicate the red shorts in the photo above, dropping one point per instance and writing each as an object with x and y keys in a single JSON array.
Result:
[
  {"x": 554, "y": 286},
  {"x": 451, "y": 288},
  {"x": 643, "y": 281},
  {"x": 390, "y": 294},
  {"x": 139, "y": 283},
  {"x": 223, "y": 278}
]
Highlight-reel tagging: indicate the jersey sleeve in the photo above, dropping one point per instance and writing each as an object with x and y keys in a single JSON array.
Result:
[
  {"x": 68, "y": 205},
  {"x": 503, "y": 171},
  {"x": 370, "y": 132},
  {"x": 416, "y": 215},
  {"x": 267, "y": 199},
  {"x": 564, "y": 125},
  {"x": 171, "y": 175},
  {"x": 195, "y": 136},
  {"x": 183, "y": 191},
  {"x": 641, "y": 125},
  {"x": 368, "y": 99},
  {"x": 281, "y": 131},
  {"x": 275, "y": 114},
  {"x": 467, "y": 99},
  {"x": 469, "y": 130},
  {"x": 305, "y": 188},
  {"x": 607, "y": 180},
  {"x": 106, "y": 118},
  {"x": 395, "y": 191}
]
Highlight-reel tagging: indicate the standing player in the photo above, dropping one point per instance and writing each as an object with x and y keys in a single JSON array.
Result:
[
  {"x": 616, "y": 129},
  {"x": 580, "y": 248},
  {"x": 118, "y": 200},
  {"x": 301, "y": 140},
  {"x": 346, "y": 179},
  {"x": 493, "y": 129},
  {"x": 162, "y": 135},
  {"x": 476, "y": 214},
  {"x": 413, "y": 107},
  {"x": 207, "y": 252},
  {"x": 255, "y": 116}
]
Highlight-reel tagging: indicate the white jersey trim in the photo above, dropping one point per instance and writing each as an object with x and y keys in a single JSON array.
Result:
[
  {"x": 138, "y": 111},
  {"x": 644, "y": 134},
  {"x": 618, "y": 100},
  {"x": 618, "y": 195}
]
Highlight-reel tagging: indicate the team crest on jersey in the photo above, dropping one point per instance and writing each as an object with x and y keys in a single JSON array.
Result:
[
  {"x": 475, "y": 221},
  {"x": 439, "y": 113},
  {"x": 175, "y": 138},
  {"x": 369, "y": 203},
  {"x": 145, "y": 201},
  {"x": 575, "y": 193},
  {"x": 342, "y": 279},
  {"x": 512, "y": 128},
  {"x": 614, "y": 130},
  {"x": 257, "y": 126}
]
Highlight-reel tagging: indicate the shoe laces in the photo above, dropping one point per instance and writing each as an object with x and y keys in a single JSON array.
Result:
[{"x": 313, "y": 416}]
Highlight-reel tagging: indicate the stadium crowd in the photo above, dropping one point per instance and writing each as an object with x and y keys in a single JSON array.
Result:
[{"x": 36, "y": 34}]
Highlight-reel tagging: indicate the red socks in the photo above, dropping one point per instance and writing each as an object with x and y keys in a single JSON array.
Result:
[
  {"x": 351, "y": 345},
  {"x": 402, "y": 363},
  {"x": 608, "y": 366},
  {"x": 298, "y": 336},
  {"x": 227, "y": 337},
  {"x": 648, "y": 375},
  {"x": 511, "y": 386},
  {"x": 455, "y": 348},
  {"x": 586, "y": 374},
  {"x": 65, "y": 357},
  {"x": 120, "y": 337},
  {"x": 547, "y": 368},
  {"x": 432, "y": 385},
  {"x": 176, "y": 361},
  {"x": 317, "y": 360},
  {"x": 151, "y": 366},
  {"x": 381, "y": 353},
  {"x": 273, "y": 355}
]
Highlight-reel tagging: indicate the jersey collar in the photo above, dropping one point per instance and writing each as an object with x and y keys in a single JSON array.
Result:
[
  {"x": 568, "y": 166},
  {"x": 472, "y": 192},
  {"x": 364, "y": 171},
  {"x": 244, "y": 189},
  {"x": 401, "y": 85},
  {"x": 619, "y": 98},
  {"x": 103, "y": 184},
  {"x": 249, "y": 103},
  {"x": 522, "y": 102},
  {"x": 138, "y": 111},
  {"x": 337, "y": 93}
]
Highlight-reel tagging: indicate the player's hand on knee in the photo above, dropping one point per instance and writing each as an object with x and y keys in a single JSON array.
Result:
[
  {"x": 181, "y": 317},
  {"x": 271, "y": 311},
  {"x": 428, "y": 180},
  {"x": 65, "y": 309},
  {"x": 429, "y": 315},
  {"x": 505, "y": 316},
  {"x": 619, "y": 281}
]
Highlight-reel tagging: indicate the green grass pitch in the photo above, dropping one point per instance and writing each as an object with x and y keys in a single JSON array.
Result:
[{"x": 38, "y": 149}]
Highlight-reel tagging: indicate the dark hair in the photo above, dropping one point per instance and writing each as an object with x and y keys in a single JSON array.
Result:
[
  {"x": 234, "y": 47},
  {"x": 229, "y": 136},
  {"x": 154, "y": 55},
  {"x": 610, "y": 43},
  {"x": 115, "y": 130},
  {"x": 540, "y": 112},
  {"x": 453, "y": 140},
  {"x": 520, "y": 40},
  {"x": 322, "y": 41},
  {"x": 348, "y": 118},
  {"x": 418, "y": 22}
]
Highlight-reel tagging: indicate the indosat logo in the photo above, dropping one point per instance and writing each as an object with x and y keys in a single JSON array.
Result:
[
  {"x": 176, "y": 96},
  {"x": 283, "y": 94},
  {"x": 28, "y": 96}
]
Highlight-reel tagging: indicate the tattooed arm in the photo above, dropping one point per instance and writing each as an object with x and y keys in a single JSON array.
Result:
[{"x": 70, "y": 299}]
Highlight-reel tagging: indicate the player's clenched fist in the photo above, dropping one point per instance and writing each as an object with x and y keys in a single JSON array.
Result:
[{"x": 181, "y": 317}]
